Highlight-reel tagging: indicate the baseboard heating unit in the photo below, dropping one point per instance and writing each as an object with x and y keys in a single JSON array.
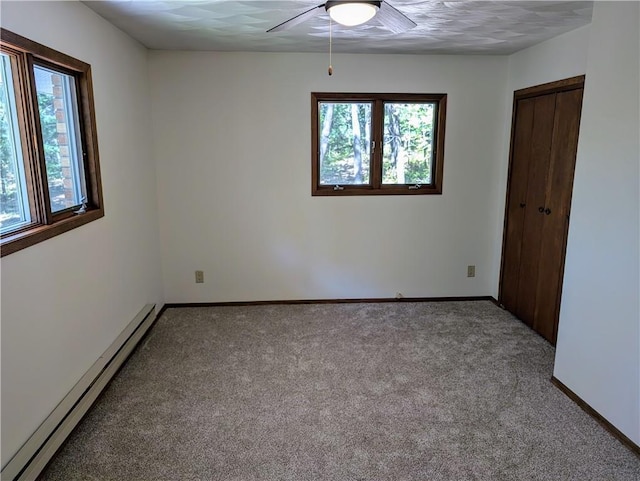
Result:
[{"x": 37, "y": 451}]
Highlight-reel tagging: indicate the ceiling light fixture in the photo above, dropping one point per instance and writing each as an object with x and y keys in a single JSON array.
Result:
[{"x": 351, "y": 14}]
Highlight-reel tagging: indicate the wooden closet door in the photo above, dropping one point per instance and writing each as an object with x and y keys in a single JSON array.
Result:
[
  {"x": 556, "y": 213},
  {"x": 544, "y": 141},
  {"x": 533, "y": 222},
  {"x": 532, "y": 136}
]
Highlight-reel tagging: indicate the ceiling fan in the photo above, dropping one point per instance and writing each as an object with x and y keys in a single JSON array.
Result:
[{"x": 353, "y": 12}]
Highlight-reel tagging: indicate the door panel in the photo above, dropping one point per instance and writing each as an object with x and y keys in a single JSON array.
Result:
[
  {"x": 556, "y": 218},
  {"x": 518, "y": 178},
  {"x": 533, "y": 219}
]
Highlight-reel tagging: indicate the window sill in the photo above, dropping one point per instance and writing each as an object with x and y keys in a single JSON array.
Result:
[
  {"x": 385, "y": 190},
  {"x": 15, "y": 242}
]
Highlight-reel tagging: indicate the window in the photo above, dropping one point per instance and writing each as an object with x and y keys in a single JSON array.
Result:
[
  {"x": 372, "y": 144},
  {"x": 49, "y": 169}
]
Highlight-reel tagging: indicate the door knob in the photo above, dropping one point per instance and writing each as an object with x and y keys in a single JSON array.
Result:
[
  {"x": 547, "y": 211},
  {"x": 522, "y": 204},
  {"x": 541, "y": 209}
]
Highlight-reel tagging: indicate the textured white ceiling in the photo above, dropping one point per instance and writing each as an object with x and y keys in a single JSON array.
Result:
[{"x": 451, "y": 27}]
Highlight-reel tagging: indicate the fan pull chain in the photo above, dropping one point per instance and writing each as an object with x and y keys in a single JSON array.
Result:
[{"x": 330, "y": 47}]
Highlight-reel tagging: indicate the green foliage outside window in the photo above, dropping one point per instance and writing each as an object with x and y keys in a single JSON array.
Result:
[
  {"x": 9, "y": 180},
  {"x": 344, "y": 143},
  {"x": 408, "y": 143},
  {"x": 50, "y": 137}
]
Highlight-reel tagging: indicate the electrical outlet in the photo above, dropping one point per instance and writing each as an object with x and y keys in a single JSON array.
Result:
[
  {"x": 199, "y": 277},
  {"x": 471, "y": 271}
]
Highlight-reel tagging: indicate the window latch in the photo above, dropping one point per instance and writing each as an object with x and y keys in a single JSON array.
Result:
[
  {"x": 415, "y": 187},
  {"x": 338, "y": 187},
  {"x": 83, "y": 207}
]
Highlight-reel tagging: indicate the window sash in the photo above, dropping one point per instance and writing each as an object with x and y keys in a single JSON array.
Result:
[
  {"x": 68, "y": 147},
  {"x": 327, "y": 113},
  {"x": 403, "y": 153},
  {"x": 12, "y": 148}
]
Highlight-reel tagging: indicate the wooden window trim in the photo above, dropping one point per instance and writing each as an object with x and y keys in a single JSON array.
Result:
[
  {"x": 46, "y": 224},
  {"x": 376, "y": 187}
]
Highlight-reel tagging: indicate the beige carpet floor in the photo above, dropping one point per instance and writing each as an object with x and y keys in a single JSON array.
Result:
[{"x": 388, "y": 391}]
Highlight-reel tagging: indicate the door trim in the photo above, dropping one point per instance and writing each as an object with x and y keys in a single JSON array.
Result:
[{"x": 549, "y": 88}]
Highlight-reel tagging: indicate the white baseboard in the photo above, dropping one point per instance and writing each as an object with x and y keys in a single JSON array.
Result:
[{"x": 33, "y": 456}]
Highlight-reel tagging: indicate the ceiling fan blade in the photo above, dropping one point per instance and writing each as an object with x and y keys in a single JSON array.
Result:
[
  {"x": 394, "y": 19},
  {"x": 292, "y": 22}
]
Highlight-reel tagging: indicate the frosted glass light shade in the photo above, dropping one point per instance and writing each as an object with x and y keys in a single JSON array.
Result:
[{"x": 352, "y": 14}]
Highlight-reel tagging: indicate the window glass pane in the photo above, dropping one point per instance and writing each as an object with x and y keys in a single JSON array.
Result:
[
  {"x": 58, "y": 106},
  {"x": 14, "y": 204},
  {"x": 345, "y": 140},
  {"x": 408, "y": 143}
]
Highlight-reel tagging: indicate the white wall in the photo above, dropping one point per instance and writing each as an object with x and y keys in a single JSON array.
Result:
[
  {"x": 598, "y": 351},
  {"x": 65, "y": 300},
  {"x": 233, "y": 150},
  {"x": 561, "y": 57}
]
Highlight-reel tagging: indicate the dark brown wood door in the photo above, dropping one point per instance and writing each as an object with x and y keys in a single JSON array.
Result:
[{"x": 543, "y": 151}]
